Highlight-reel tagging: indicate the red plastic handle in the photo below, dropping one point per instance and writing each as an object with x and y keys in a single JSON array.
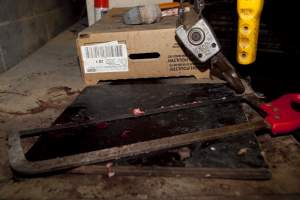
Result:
[{"x": 281, "y": 116}]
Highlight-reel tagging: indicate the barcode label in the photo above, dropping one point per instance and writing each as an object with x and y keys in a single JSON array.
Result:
[
  {"x": 105, "y": 57},
  {"x": 104, "y": 51}
]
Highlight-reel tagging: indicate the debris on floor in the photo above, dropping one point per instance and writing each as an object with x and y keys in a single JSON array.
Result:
[{"x": 243, "y": 151}]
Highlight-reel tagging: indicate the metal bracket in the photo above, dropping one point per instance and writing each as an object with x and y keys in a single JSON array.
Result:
[{"x": 199, "y": 40}]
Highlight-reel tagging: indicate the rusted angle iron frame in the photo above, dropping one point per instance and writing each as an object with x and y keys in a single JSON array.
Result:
[{"x": 20, "y": 164}]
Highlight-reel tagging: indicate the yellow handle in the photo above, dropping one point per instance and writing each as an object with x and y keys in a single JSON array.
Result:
[{"x": 249, "y": 12}]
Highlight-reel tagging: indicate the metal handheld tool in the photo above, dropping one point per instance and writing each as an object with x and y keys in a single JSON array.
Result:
[{"x": 202, "y": 43}]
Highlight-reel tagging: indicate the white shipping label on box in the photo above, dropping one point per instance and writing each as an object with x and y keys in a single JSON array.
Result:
[{"x": 105, "y": 57}]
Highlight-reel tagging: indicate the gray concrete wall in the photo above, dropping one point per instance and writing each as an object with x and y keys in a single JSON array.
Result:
[{"x": 25, "y": 25}]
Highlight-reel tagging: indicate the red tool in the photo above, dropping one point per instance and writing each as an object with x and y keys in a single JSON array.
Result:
[{"x": 281, "y": 116}]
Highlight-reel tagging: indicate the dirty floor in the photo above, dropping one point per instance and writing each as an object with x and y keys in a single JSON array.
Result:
[{"x": 37, "y": 90}]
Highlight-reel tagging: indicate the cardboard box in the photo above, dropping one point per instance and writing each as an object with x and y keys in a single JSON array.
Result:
[{"x": 133, "y": 51}]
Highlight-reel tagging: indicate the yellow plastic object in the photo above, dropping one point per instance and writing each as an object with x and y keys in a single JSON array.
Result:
[{"x": 249, "y": 12}]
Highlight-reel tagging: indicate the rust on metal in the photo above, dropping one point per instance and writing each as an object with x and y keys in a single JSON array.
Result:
[{"x": 20, "y": 164}]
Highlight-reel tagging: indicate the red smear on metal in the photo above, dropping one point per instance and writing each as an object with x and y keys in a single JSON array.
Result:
[
  {"x": 281, "y": 116},
  {"x": 125, "y": 134},
  {"x": 110, "y": 171},
  {"x": 184, "y": 153},
  {"x": 102, "y": 125},
  {"x": 138, "y": 112}
]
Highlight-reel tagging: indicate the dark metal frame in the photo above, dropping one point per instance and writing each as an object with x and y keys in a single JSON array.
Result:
[{"x": 21, "y": 165}]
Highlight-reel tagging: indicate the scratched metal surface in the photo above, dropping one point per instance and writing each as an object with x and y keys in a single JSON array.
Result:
[
  {"x": 230, "y": 152},
  {"x": 100, "y": 102}
]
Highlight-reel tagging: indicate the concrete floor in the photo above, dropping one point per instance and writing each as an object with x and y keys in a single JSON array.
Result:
[{"x": 37, "y": 90}]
